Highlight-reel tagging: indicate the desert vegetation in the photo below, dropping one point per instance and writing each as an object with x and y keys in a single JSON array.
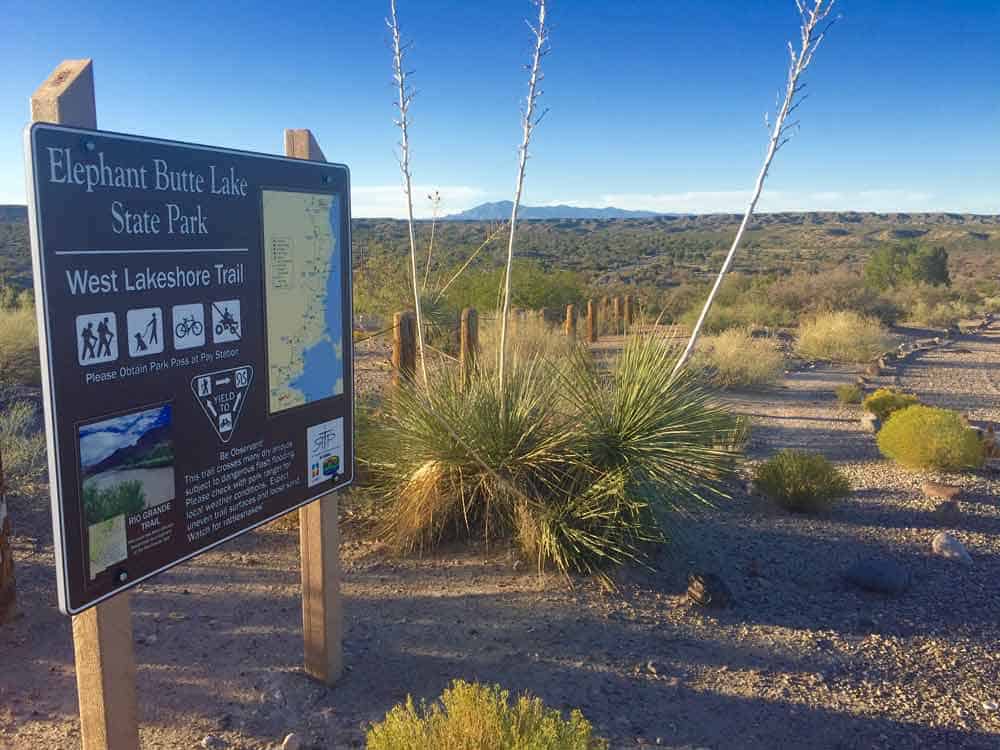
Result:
[
  {"x": 800, "y": 481},
  {"x": 482, "y": 717},
  {"x": 924, "y": 437},
  {"x": 884, "y": 401},
  {"x": 736, "y": 358},
  {"x": 843, "y": 336}
]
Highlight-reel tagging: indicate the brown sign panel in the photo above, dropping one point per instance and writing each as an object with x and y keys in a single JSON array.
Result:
[{"x": 194, "y": 312}]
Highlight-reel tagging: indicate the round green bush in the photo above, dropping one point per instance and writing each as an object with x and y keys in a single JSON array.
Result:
[
  {"x": 800, "y": 481},
  {"x": 885, "y": 401},
  {"x": 923, "y": 437}
]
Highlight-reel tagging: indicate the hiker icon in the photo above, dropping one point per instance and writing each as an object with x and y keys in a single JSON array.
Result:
[
  {"x": 145, "y": 331},
  {"x": 226, "y": 324},
  {"x": 97, "y": 338}
]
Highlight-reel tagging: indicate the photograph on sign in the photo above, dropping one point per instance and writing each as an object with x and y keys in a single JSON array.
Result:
[{"x": 196, "y": 345}]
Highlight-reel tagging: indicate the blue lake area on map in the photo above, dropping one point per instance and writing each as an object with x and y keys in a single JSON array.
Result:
[{"x": 323, "y": 366}]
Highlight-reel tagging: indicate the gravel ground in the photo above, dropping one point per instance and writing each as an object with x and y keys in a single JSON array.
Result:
[{"x": 800, "y": 660}]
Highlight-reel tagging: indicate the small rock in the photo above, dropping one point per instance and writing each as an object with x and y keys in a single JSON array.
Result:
[
  {"x": 708, "y": 590},
  {"x": 990, "y": 705},
  {"x": 945, "y": 545},
  {"x": 211, "y": 742},
  {"x": 939, "y": 491},
  {"x": 870, "y": 422},
  {"x": 651, "y": 667},
  {"x": 873, "y": 370},
  {"x": 947, "y": 513},
  {"x": 880, "y": 574},
  {"x": 291, "y": 742}
]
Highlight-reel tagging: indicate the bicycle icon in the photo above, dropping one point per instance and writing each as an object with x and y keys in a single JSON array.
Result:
[{"x": 188, "y": 325}]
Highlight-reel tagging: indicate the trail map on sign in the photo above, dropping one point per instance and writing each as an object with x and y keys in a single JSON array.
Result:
[{"x": 303, "y": 296}]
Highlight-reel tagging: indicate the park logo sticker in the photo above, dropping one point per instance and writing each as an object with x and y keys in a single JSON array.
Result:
[{"x": 222, "y": 395}]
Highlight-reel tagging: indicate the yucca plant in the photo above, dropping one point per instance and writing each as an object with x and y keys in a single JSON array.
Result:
[{"x": 582, "y": 468}]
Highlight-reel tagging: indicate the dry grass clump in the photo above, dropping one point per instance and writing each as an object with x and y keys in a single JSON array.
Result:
[
  {"x": 19, "y": 364},
  {"x": 885, "y": 401},
  {"x": 736, "y": 359},
  {"x": 579, "y": 465},
  {"x": 849, "y": 393},
  {"x": 924, "y": 437},
  {"x": 843, "y": 336},
  {"x": 800, "y": 481},
  {"x": 472, "y": 716},
  {"x": 23, "y": 445}
]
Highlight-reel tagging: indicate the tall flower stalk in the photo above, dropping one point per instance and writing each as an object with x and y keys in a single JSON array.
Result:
[
  {"x": 529, "y": 120},
  {"x": 403, "y": 105},
  {"x": 813, "y": 27}
]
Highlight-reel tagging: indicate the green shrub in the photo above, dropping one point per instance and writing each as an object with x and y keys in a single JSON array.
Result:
[
  {"x": 849, "y": 393},
  {"x": 801, "y": 481},
  {"x": 842, "y": 337},
  {"x": 481, "y": 717},
  {"x": 885, "y": 401},
  {"x": 22, "y": 443},
  {"x": 580, "y": 466},
  {"x": 123, "y": 498},
  {"x": 923, "y": 437},
  {"x": 736, "y": 359},
  {"x": 19, "y": 363}
]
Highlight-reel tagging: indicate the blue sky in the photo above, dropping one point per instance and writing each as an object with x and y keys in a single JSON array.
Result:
[
  {"x": 101, "y": 439},
  {"x": 654, "y": 104}
]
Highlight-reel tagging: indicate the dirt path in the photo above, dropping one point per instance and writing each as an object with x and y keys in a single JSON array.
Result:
[{"x": 799, "y": 661}]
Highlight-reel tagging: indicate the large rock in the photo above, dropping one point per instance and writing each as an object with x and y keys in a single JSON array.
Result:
[
  {"x": 708, "y": 590},
  {"x": 938, "y": 491},
  {"x": 870, "y": 422},
  {"x": 946, "y": 545},
  {"x": 879, "y": 574}
]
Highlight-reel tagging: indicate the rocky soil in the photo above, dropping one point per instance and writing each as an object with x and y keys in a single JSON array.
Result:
[{"x": 801, "y": 659}]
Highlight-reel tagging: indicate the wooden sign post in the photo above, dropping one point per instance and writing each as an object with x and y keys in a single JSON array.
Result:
[
  {"x": 102, "y": 635},
  {"x": 319, "y": 536}
]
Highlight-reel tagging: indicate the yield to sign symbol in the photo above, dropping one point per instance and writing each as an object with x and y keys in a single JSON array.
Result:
[{"x": 222, "y": 395}]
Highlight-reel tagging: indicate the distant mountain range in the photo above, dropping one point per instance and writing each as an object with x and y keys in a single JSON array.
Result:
[
  {"x": 501, "y": 210},
  {"x": 156, "y": 443},
  {"x": 13, "y": 213}
]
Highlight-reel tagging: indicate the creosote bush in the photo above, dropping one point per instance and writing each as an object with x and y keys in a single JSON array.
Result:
[
  {"x": 481, "y": 717},
  {"x": 735, "y": 358},
  {"x": 924, "y": 437},
  {"x": 800, "y": 481},
  {"x": 842, "y": 337},
  {"x": 884, "y": 401},
  {"x": 849, "y": 393},
  {"x": 580, "y": 466}
]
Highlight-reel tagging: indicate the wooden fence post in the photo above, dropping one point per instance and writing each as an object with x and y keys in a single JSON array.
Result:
[
  {"x": 102, "y": 635},
  {"x": 629, "y": 312},
  {"x": 570, "y": 324},
  {"x": 591, "y": 321},
  {"x": 616, "y": 315},
  {"x": 319, "y": 535},
  {"x": 468, "y": 342},
  {"x": 404, "y": 347}
]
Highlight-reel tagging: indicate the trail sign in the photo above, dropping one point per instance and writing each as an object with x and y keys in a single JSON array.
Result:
[{"x": 195, "y": 331}]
